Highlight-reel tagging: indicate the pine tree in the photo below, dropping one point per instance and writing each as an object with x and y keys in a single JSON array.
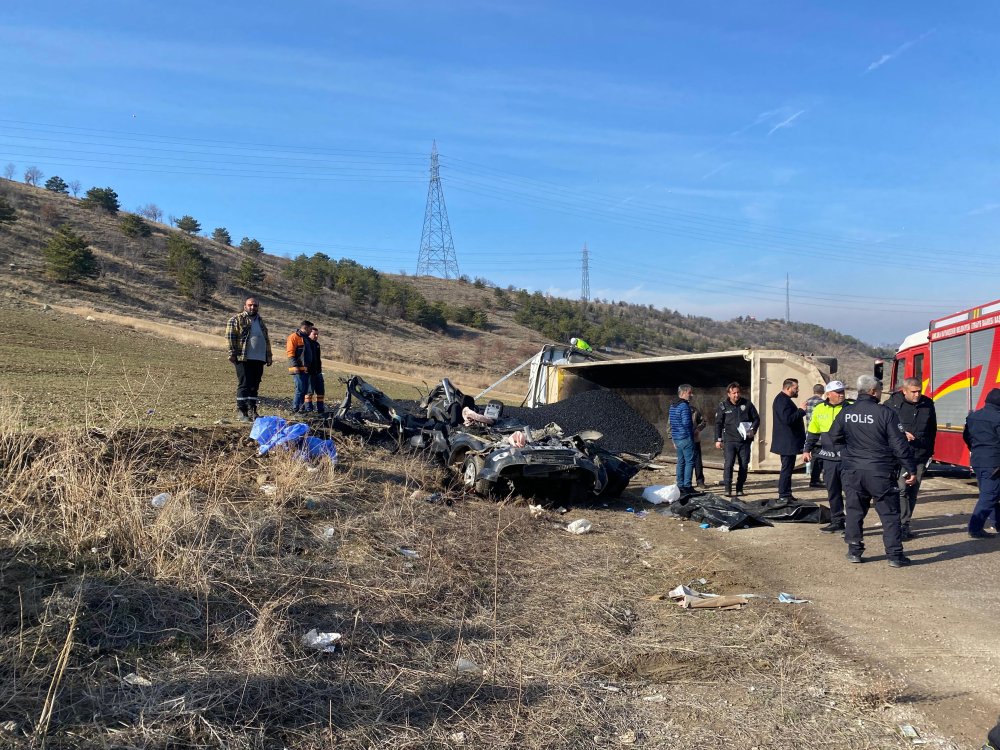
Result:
[
  {"x": 57, "y": 185},
  {"x": 7, "y": 213},
  {"x": 67, "y": 257},
  {"x": 250, "y": 275}
]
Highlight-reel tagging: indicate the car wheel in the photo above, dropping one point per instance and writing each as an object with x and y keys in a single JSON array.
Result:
[{"x": 470, "y": 475}]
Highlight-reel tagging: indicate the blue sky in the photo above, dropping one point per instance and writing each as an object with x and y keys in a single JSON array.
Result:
[{"x": 701, "y": 150}]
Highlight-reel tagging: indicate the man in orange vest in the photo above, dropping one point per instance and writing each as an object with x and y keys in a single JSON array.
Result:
[{"x": 300, "y": 354}]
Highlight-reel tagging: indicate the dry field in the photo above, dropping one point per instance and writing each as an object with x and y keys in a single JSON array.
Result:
[{"x": 463, "y": 623}]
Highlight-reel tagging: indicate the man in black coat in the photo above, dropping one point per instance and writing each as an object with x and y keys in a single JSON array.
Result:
[
  {"x": 982, "y": 435},
  {"x": 788, "y": 434},
  {"x": 736, "y": 425},
  {"x": 919, "y": 420},
  {"x": 873, "y": 448}
]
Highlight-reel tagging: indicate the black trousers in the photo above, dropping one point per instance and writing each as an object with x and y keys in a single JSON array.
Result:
[
  {"x": 861, "y": 488},
  {"x": 908, "y": 496},
  {"x": 248, "y": 375},
  {"x": 785, "y": 477},
  {"x": 735, "y": 452},
  {"x": 815, "y": 467},
  {"x": 834, "y": 491},
  {"x": 699, "y": 466}
]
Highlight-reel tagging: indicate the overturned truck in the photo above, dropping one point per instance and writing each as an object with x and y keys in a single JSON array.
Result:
[{"x": 649, "y": 384}]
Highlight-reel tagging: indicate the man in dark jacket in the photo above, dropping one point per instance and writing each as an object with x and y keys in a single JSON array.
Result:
[
  {"x": 873, "y": 447},
  {"x": 820, "y": 447},
  {"x": 919, "y": 420},
  {"x": 788, "y": 434},
  {"x": 982, "y": 435},
  {"x": 300, "y": 352},
  {"x": 736, "y": 423},
  {"x": 682, "y": 433}
]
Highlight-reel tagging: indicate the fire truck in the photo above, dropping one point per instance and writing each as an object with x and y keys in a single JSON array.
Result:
[{"x": 957, "y": 359}]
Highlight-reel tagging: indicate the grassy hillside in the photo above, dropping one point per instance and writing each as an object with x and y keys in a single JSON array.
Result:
[{"x": 367, "y": 319}]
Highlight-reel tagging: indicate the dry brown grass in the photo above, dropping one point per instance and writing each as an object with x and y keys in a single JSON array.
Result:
[{"x": 208, "y": 597}]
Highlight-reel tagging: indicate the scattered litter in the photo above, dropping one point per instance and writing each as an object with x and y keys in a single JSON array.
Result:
[
  {"x": 328, "y": 643},
  {"x": 90, "y": 318},
  {"x": 312, "y": 469},
  {"x": 655, "y": 698},
  {"x": 579, "y": 526},
  {"x": 561, "y": 510},
  {"x": 910, "y": 733},
  {"x": 627, "y": 738},
  {"x": 724, "y": 528},
  {"x": 409, "y": 553},
  {"x": 467, "y": 666},
  {"x": 610, "y": 688},
  {"x": 949, "y": 515},
  {"x": 457, "y": 737},
  {"x": 645, "y": 564},
  {"x": 535, "y": 510},
  {"x": 641, "y": 514},
  {"x": 789, "y": 599},
  {"x": 435, "y": 497},
  {"x": 160, "y": 500},
  {"x": 136, "y": 681},
  {"x": 661, "y": 493},
  {"x": 646, "y": 545},
  {"x": 269, "y": 489},
  {"x": 329, "y": 532},
  {"x": 630, "y": 509},
  {"x": 690, "y": 599},
  {"x": 704, "y": 526}
]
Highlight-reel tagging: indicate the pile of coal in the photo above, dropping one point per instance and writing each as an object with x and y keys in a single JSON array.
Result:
[{"x": 624, "y": 429}]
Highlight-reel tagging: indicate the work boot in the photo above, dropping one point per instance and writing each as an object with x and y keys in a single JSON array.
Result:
[
  {"x": 832, "y": 528},
  {"x": 900, "y": 562},
  {"x": 981, "y": 535},
  {"x": 853, "y": 557}
]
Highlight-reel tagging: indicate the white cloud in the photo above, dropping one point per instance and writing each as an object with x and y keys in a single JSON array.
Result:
[
  {"x": 787, "y": 121},
  {"x": 898, "y": 51}
]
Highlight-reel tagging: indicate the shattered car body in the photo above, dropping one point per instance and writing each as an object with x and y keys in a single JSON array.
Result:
[{"x": 491, "y": 454}]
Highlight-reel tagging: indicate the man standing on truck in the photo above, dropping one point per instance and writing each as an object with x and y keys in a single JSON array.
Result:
[
  {"x": 982, "y": 435},
  {"x": 873, "y": 447},
  {"x": 736, "y": 423},
  {"x": 819, "y": 447},
  {"x": 788, "y": 434},
  {"x": 919, "y": 420}
]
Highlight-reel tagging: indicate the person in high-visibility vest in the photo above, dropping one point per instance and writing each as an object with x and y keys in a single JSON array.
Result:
[{"x": 580, "y": 344}]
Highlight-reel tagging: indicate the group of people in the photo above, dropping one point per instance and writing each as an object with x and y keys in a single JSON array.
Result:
[
  {"x": 250, "y": 352},
  {"x": 866, "y": 452}
]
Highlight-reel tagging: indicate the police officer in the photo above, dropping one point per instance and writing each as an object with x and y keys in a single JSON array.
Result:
[
  {"x": 733, "y": 411},
  {"x": 820, "y": 447},
  {"x": 873, "y": 446}
]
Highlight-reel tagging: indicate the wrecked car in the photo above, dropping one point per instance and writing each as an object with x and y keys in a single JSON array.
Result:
[{"x": 490, "y": 453}]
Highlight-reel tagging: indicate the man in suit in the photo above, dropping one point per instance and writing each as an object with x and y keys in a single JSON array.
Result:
[{"x": 788, "y": 434}]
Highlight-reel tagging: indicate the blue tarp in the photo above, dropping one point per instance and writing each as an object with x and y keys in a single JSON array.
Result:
[{"x": 270, "y": 432}]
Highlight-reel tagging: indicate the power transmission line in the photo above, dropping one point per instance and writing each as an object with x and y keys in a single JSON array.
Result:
[{"x": 585, "y": 282}]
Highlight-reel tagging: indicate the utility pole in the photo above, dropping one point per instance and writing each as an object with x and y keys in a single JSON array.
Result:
[
  {"x": 788, "y": 305},
  {"x": 437, "y": 248},
  {"x": 585, "y": 283}
]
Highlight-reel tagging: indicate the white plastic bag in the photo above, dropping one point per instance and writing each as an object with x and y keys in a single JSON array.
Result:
[
  {"x": 661, "y": 493},
  {"x": 579, "y": 526}
]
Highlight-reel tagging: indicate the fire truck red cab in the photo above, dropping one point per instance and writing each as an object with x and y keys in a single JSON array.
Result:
[{"x": 957, "y": 360}]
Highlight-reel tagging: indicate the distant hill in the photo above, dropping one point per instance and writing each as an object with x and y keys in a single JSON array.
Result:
[{"x": 418, "y": 326}]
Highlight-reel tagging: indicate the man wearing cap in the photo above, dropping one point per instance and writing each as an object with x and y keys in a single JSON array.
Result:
[
  {"x": 873, "y": 447},
  {"x": 982, "y": 435},
  {"x": 919, "y": 420},
  {"x": 819, "y": 447}
]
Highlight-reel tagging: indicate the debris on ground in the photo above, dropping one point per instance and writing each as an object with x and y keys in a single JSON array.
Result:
[
  {"x": 661, "y": 493},
  {"x": 160, "y": 500},
  {"x": 136, "y": 681},
  {"x": 790, "y": 599},
  {"x": 328, "y": 643},
  {"x": 467, "y": 666},
  {"x": 579, "y": 526}
]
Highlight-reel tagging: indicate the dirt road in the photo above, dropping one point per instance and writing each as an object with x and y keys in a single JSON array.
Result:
[{"x": 933, "y": 625}]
